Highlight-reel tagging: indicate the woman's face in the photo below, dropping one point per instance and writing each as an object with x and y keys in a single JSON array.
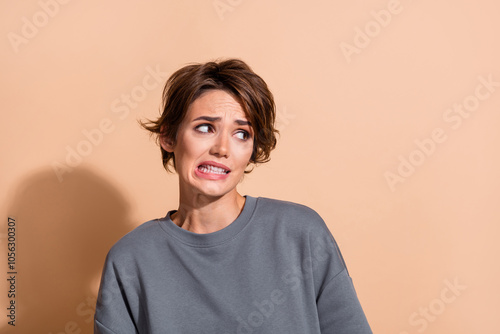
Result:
[{"x": 213, "y": 147}]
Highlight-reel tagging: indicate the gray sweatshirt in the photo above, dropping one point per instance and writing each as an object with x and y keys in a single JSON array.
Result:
[{"x": 275, "y": 269}]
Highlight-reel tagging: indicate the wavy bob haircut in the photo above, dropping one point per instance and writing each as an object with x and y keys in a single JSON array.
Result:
[{"x": 232, "y": 76}]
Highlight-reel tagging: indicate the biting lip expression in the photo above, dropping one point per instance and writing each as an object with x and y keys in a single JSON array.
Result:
[
  {"x": 213, "y": 146},
  {"x": 212, "y": 170}
]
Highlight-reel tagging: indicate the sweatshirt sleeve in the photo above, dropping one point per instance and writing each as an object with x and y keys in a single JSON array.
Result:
[
  {"x": 113, "y": 314},
  {"x": 339, "y": 309}
]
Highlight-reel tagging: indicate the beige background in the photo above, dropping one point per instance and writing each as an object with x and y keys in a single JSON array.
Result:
[{"x": 351, "y": 104}]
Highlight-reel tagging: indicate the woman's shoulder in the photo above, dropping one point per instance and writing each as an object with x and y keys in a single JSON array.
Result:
[
  {"x": 135, "y": 240},
  {"x": 291, "y": 213},
  {"x": 285, "y": 207},
  {"x": 298, "y": 222}
]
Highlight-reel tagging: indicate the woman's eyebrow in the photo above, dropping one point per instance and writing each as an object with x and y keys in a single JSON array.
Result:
[
  {"x": 243, "y": 122},
  {"x": 216, "y": 119},
  {"x": 207, "y": 118}
]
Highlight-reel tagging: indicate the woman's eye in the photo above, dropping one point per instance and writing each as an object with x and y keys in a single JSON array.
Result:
[
  {"x": 243, "y": 135},
  {"x": 204, "y": 128}
]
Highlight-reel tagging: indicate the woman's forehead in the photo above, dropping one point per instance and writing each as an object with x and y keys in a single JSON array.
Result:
[{"x": 216, "y": 103}]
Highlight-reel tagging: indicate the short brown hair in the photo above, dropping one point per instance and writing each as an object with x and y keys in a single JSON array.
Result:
[{"x": 232, "y": 76}]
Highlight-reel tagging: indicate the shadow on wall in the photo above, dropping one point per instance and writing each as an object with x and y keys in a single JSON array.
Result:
[{"x": 64, "y": 231}]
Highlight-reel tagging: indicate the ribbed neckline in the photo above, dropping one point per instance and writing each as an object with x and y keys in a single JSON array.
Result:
[{"x": 210, "y": 239}]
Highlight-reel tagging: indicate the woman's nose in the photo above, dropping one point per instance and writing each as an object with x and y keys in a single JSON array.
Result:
[{"x": 220, "y": 148}]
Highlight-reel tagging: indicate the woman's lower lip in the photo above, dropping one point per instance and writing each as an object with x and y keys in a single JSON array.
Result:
[{"x": 210, "y": 176}]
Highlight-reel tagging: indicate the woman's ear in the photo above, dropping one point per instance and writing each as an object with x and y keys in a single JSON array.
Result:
[{"x": 167, "y": 144}]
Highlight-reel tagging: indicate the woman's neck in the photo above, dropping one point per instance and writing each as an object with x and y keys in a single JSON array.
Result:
[{"x": 202, "y": 214}]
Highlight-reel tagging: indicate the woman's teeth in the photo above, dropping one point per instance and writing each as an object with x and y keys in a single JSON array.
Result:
[{"x": 212, "y": 169}]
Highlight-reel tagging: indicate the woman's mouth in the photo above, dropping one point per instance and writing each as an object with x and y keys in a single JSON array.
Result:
[{"x": 212, "y": 170}]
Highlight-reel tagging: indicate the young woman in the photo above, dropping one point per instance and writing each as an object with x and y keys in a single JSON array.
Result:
[{"x": 222, "y": 262}]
